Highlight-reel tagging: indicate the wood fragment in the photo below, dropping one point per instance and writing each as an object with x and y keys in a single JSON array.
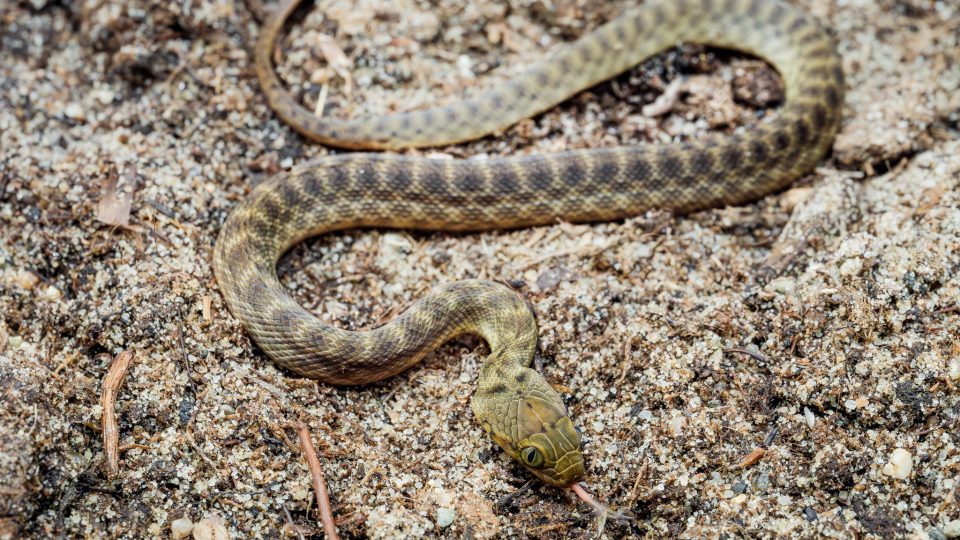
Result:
[
  {"x": 950, "y": 498},
  {"x": 132, "y": 446},
  {"x": 319, "y": 483},
  {"x": 207, "y": 303},
  {"x": 108, "y": 419},
  {"x": 62, "y": 365},
  {"x": 321, "y": 101},
  {"x": 334, "y": 55},
  {"x": 114, "y": 206},
  {"x": 666, "y": 101},
  {"x": 290, "y": 523},
  {"x": 752, "y": 458}
]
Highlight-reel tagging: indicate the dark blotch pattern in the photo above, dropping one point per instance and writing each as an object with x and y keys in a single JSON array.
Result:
[
  {"x": 759, "y": 151},
  {"x": 802, "y": 131},
  {"x": 400, "y": 176},
  {"x": 833, "y": 98},
  {"x": 505, "y": 181},
  {"x": 312, "y": 183},
  {"x": 339, "y": 178},
  {"x": 608, "y": 173},
  {"x": 290, "y": 195},
  {"x": 540, "y": 175},
  {"x": 701, "y": 164},
  {"x": 272, "y": 209},
  {"x": 573, "y": 174},
  {"x": 435, "y": 183},
  {"x": 470, "y": 181},
  {"x": 639, "y": 169},
  {"x": 798, "y": 24},
  {"x": 671, "y": 165},
  {"x": 819, "y": 117},
  {"x": 782, "y": 141},
  {"x": 732, "y": 158}
]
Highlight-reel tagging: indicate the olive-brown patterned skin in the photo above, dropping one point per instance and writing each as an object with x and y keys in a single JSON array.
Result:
[{"x": 515, "y": 405}]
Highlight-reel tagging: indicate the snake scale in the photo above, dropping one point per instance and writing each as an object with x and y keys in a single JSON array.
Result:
[{"x": 514, "y": 404}]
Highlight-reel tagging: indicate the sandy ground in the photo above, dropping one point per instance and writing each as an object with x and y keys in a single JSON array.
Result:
[{"x": 789, "y": 368}]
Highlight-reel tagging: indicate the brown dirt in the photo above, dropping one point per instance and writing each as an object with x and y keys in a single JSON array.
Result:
[{"x": 842, "y": 291}]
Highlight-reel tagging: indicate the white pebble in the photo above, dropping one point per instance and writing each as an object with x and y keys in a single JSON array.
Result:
[
  {"x": 677, "y": 423},
  {"x": 75, "y": 112},
  {"x": 27, "y": 280},
  {"x": 52, "y": 293},
  {"x": 104, "y": 96},
  {"x": 445, "y": 516},
  {"x": 211, "y": 528},
  {"x": 851, "y": 267},
  {"x": 465, "y": 66},
  {"x": 809, "y": 417},
  {"x": 952, "y": 529},
  {"x": 181, "y": 528},
  {"x": 955, "y": 369},
  {"x": 900, "y": 464}
]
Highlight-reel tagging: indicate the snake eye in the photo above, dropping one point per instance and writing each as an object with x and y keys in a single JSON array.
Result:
[{"x": 531, "y": 457}]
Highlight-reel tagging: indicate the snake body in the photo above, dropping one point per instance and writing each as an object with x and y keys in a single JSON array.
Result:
[{"x": 515, "y": 405}]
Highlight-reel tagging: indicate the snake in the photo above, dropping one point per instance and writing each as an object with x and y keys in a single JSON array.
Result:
[{"x": 514, "y": 403}]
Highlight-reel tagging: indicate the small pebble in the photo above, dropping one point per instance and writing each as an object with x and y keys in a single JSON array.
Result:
[
  {"x": 74, "y": 111},
  {"x": 763, "y": 482},
  {"x": 104, "y": 96},
  {"x": 677, "y": 424},
  {"x": 936, "y": 534},
  {"x": 851, "y": 267},
  {"x": 465, "y": 66},
  {"x": 211, "y": 528},
  {"x": 27, "y": 280},
  {"x": 952, "y": 529},
  {"x": 52, "y": 293},
  {"x": 794, "y": 197},
  {"x": 181, "y": 528},
  {"x": 900, "y": 464},
  {"x": 955, "y": 369},
  {"x": 445, "y": 516}
]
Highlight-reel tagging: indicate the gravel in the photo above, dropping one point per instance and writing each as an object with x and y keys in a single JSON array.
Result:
[{"x": 129, "y": 130}]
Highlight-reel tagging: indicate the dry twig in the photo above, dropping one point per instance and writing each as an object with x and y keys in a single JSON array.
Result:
[
  {"x": 752, "y": 354},
  {"x": 108, "y": 419},
  {"x": 752, "y": 458},
  {"x": 319, "y": 484},
  {"x": 293, "y": 526}
]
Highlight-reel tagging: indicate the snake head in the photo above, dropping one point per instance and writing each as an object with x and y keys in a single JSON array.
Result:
[{"x": 529, "y": 421}]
